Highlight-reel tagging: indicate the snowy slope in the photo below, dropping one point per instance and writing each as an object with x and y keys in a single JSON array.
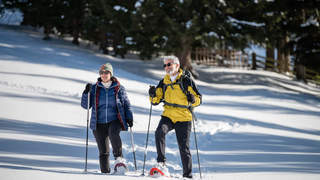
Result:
[{"x": 251, "y": 125}]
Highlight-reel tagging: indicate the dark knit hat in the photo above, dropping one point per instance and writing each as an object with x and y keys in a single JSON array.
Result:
[{"x": 106, "y": 67}]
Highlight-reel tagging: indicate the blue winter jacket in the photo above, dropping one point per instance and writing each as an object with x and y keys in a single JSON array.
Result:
[{"x": 118, "y": 103}]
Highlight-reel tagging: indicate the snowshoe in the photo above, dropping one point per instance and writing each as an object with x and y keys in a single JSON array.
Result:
[
  {"x": 160, "y": 170},
  {"x": 120, "y": 166}
]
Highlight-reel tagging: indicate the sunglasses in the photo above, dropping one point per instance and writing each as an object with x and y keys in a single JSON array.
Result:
[
  {"x": 104, "y": 72},
  {"x": 168, "y": 64}
]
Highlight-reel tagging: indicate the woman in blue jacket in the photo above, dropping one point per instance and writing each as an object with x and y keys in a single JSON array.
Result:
[{"x": 111, "y": 113}]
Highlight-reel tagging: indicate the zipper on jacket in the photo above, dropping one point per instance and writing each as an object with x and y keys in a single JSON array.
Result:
[{"x": 107, "y": 103}]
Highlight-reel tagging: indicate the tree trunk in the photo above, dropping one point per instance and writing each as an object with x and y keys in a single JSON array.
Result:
[
  {"x": 270, "y": 58},
  {"x": 103, "y": 45},
  {"x": 283, "y": 55},
  {"x": 184, "y": 56},
  {"x": 254, "y": 61},
  {"x": 47, "y": 31},
  {"x": 301, "y": 72},
  {"x": 287, "y": 55},
  {"x": 75, "y": 32}
]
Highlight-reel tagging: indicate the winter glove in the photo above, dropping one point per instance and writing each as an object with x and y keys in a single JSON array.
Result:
[
  {"x": 190, "y": 98},
  {"x": 152, "y": 91},
  {"x": 130, "y": 122},
  {"x": 87, "y": 89}
]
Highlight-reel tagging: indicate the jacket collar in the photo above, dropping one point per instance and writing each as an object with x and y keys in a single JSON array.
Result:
[
  {"x": 115, "y": 82},
  {"x": 167, "y": 79}
]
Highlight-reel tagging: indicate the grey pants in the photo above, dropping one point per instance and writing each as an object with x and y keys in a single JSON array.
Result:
[
  {"x": 104, "y": 133},
  {"x": 182, "y": 130}
]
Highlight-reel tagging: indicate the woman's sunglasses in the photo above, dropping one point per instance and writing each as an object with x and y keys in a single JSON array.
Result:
[{"x": 103, "y": 72}]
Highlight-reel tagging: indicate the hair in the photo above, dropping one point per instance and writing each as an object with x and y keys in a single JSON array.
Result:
[{"x": 172, "y": 57}]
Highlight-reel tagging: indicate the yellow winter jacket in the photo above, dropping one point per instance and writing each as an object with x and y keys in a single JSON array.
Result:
[{"x": 175, "y": 95}]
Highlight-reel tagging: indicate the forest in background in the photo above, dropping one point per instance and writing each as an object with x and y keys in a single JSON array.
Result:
[{"x": 289, "y": 30}]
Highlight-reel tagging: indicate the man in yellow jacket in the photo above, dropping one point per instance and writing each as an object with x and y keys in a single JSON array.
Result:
[{"x": 179, "y": 94}]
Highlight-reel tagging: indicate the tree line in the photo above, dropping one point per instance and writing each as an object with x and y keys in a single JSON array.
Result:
[{"x": 288, "y": 29}]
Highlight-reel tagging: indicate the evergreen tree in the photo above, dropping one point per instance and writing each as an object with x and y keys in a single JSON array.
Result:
[
  {"x": 281, "y": 24},
  {"x": 154, "y": 27},
  {"x": 175, "y": 26},
  {"x": 73, "y": 14},
  {"x": 108, "y": 24},
  {"x": 39, "y": 13},
  {"x": 305, "y": 34}
]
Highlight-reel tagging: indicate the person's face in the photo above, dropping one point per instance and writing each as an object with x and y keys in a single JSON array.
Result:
[
  {"x": 170, "y": 67},
  {"x": 105, "y": 76}
]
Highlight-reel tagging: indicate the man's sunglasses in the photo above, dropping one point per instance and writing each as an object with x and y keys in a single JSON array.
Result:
[{"x": 168, "y": 64}]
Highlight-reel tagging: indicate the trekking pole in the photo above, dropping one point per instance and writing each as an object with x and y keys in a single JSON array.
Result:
[
  {"x": 134, "y": 153},
  {"x": 145, "y": 150},
  {"x": 88, "y": 107},
  {"x": 195, "y": 139}
]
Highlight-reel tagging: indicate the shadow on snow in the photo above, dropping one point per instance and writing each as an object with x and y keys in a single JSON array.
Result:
[{"x": 222, "y": 152}]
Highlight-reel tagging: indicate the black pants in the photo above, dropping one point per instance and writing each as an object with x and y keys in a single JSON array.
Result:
[
  {"x": 104, "y": 133},
  {"x": 182, "y": 130}
]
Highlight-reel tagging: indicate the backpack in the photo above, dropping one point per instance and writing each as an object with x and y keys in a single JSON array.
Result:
[{"x": 183, "y": 82}]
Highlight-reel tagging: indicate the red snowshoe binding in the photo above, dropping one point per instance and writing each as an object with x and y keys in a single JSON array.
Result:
[
  {"x": 160, "y": 170},
  {"x": 120, "y": 166}
]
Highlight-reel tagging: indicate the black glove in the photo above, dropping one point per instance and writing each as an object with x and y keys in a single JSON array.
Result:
[
  {"x": 190, "y": 98},
  {"x": 87, "y": 89},
  {"x": 130, "y": 122},
  {"x": 152, "y": 91}
]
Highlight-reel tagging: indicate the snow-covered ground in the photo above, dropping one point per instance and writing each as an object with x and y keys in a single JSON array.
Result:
[
  {"x": 252, "y": 124},
  {"x": 11, "y": 17}
]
